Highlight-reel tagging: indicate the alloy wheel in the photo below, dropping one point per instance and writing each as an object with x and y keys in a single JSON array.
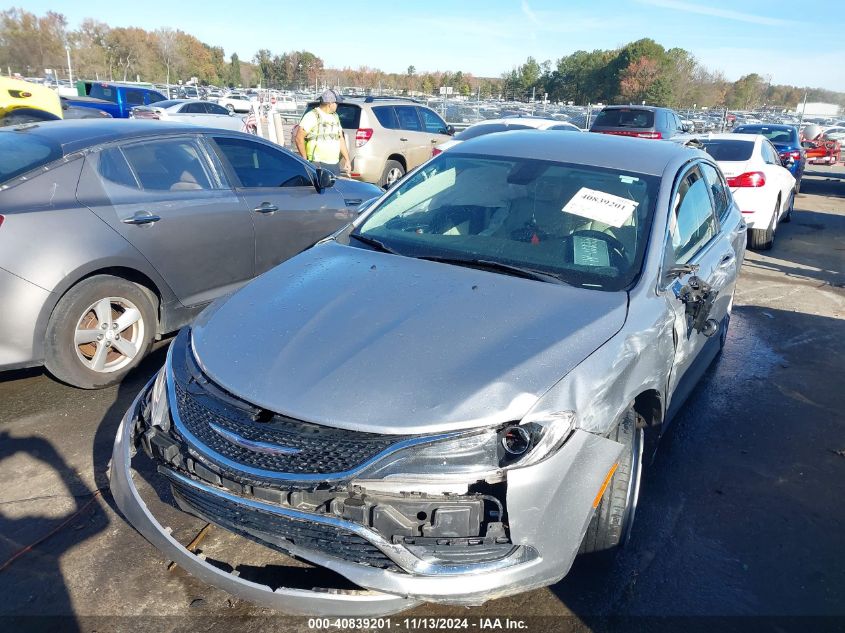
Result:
[{"x": 109, "y": 334}]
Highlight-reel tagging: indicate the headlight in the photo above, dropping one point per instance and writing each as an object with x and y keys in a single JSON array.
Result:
[
  {"x": 159, "y": 409},
  {"x": 481, "y": 455}
]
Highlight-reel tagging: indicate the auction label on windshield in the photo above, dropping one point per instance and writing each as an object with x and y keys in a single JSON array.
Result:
[{"x": 601, "y": 207}]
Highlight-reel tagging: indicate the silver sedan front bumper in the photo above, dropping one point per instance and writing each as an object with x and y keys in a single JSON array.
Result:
[{"x": 549, "y": 505}]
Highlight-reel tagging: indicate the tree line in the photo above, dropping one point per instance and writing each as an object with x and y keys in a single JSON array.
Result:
[{"x": 639, "y": 71}]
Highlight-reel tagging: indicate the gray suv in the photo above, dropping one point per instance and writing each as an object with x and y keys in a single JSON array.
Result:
[
  {"x": 640, "y": 122},
  {"x": 115, "y": 232},
  {"x": 388, "y": 136}
]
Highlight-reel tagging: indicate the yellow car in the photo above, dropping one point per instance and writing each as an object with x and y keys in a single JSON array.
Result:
[{"x": 25, "y": 102}]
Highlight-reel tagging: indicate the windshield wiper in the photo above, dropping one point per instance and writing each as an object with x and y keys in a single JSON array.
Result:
[
  {"x": 508, "y": 269},
  {"x": 374, "y": 243}
]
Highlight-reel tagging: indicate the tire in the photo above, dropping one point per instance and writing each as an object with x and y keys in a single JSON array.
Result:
[
  {"x": 230, "y": 107},
  {"x": 611, "y": 524},
  {"x": 787, "y": 217},
  {"x": 393, "y": 171},
  {"x": 798, "y": 187},
  {"x": 73, "y": 350},
  {"x": 764, "y": 239}
]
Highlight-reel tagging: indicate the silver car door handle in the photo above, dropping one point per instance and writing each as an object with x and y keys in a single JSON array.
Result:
[
  {"x": 142, "y": 218},
  {"x": 403, "y": 139},
  {"x": 266, "y": 207},
  {"x": 727, "y": 260}
]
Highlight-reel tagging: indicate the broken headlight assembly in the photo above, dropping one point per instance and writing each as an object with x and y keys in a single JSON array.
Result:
[
  {"x": 478, "y": 455},
  {"x": 159, "y": 407}
]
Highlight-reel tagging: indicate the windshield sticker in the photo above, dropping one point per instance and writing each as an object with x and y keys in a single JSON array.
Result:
[{"x": 601, "y": 207}]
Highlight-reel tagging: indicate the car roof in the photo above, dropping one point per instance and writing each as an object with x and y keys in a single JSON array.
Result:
[
  {"x": 531, "y": 121},
  {"x": 74, "y": 135},
  {"x": 726, "y": 136},
  {"x": 769, "y": 126},
  {"x": 634, "y": 155},
  {"x": 634, "y": 107}
]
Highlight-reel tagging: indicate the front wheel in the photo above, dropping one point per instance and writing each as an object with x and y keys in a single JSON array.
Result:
[
  {"x": 100, "y": 330},
  {"x": 611, "y": 524}
]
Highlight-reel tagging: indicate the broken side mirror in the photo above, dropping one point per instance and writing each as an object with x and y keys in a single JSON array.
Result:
[{"x": 698, "y": 297}]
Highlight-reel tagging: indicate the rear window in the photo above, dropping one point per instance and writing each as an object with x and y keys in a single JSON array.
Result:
[
  {"x": 729, "y": 150},
  {"x": 100, "y": 91},
  {"x": 625, "y": 117},
  {"x": 775, "y": 135},
  {"x": 20, "y": 153},
  {"x": 348, "y": 113},
  {"x": 487, "y": 128}
]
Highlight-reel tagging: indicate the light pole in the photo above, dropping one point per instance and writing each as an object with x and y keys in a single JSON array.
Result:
[{"x": 69, "y": 68}]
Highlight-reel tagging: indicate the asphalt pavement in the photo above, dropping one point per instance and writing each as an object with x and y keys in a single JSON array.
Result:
[{"x": 740, "y": 517}]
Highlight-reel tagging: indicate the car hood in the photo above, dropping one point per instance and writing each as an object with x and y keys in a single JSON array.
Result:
[{"x": 369, "y": 341}]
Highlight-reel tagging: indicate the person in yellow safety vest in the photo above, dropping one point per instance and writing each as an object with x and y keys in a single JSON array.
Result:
[{"x": 319, "y": 138}]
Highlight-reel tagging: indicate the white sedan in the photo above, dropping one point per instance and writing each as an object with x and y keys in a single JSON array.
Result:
[
  {"x": 762, "y": 187},
  {"x": 504, "y": 125},
  {"x": 191, "y": 111}
]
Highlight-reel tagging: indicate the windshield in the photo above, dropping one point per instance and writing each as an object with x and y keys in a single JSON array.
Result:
[
  {"x": 20, "y": 153},
  {"x": 586, "y": 226},
  {"x": 729, "y": 150}
]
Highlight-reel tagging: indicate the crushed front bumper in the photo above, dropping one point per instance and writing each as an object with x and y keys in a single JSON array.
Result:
[{"x": 549, "y": 506}]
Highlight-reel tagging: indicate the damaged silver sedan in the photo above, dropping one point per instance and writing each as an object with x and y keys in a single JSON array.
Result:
[{"x": 446, "y": 401}]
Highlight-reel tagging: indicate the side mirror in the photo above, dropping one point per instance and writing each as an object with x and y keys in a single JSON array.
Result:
[
  {"x": 325, "y": 179},
  {"x": 450, "y": 130},
  {"x": 688, "y": 127}
]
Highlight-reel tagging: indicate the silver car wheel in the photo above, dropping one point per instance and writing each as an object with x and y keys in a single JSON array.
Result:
[
  {"x": 393, "y": 175},
  {"x": 109, "y": 334}
]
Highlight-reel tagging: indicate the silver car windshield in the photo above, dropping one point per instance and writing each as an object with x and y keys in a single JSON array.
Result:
[{"x": 583, "y": 225}]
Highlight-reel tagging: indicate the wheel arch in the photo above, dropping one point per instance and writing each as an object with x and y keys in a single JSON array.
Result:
[
  {"x": 648, "y": 406},
  {"x": 399, "y": 158}
]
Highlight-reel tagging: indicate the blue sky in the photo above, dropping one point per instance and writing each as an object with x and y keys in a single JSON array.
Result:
[{"x": 796, "y": 43}]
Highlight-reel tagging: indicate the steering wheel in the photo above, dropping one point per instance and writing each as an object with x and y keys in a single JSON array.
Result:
[{"x": 614, "y": 245}]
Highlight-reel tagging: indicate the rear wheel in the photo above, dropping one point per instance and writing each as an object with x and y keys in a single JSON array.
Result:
[
  {"x": 230, "y": 107},
  {"x": 764, "y": 239},
  {"x": 787, "y": 216},
  {"x": 393, "y": 171},
  {"x": 99, "y": 331},
  {"x": 611, "y": 524}
]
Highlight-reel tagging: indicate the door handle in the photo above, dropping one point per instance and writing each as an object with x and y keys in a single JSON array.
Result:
[
  {"x": 142, "y": 218},
  {"x": 266, "y": 207},
  {"x": 727, "y": 260},
  {"x": 402, "y": 139},
  {"x": 434, "y": 140}
]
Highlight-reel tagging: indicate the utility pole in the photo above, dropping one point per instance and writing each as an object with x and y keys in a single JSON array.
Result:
[
  {"x": 803, "y": 110},
  {"x": 69, "y": 68}
]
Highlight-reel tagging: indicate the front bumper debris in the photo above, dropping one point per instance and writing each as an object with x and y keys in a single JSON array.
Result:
[{"x": 546, "y": 510}]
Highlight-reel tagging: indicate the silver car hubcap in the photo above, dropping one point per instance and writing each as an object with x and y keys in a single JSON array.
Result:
[
  {"x": 393, "y": 175},
  {"x": 109, "y": 334}
]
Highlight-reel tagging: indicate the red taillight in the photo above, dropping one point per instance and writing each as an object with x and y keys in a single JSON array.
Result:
[
  {"x": 1, "y": 220},
  {"x": 634, "y": 134},
  {"x": 748, "y": 179},
  {"x": 435, "y": 151},
  {"x": 363, "y": 135},
  {"x": 795, "y": 155}
]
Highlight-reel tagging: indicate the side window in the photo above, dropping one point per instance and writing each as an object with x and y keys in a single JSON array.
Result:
[
  {"x": 114, "y": 169},
  {"x": 386, "y": 117},
  {"x": 154, "y": 97},
  {"x": 563, "y": 128},
  {"x": 213, "y": 108},
  {"x": 134, "y": 97},
  {"x": 408, "y": 119},
  {"x": 769, "y": 154},
  {"x": 693, "y": 222},
  {"x": 257, "y": 165},
  {"x": 432, "y": 122},
  {"x": 173, "y": 164},
  {"x": 193, "y": 108},
  {"x": 721, "y": 199}
]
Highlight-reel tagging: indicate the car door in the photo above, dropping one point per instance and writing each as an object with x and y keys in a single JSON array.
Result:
[
  {"x": 413, "y": 135},
  {"x": 218, "y": 116},
  {"x": 777, "y": 173},
  {"x": 696, "y": 239},
  {"x": 288, "y": 212},
  {"x": 166, "y": 199},
  {"x": 435, "y": 128}
]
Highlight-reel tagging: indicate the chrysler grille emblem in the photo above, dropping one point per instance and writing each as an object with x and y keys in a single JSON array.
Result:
[{"x": 253, "y": 445}]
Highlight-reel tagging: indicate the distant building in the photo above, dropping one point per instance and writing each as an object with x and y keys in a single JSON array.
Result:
[{"x": 819, "y": 109}]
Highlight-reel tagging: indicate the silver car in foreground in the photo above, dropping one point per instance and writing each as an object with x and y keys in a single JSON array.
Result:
[{"x": 446, "y": 401}]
